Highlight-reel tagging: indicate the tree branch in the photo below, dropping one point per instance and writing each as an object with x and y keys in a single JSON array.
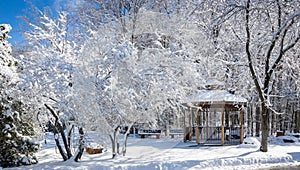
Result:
[
  {"x": 282, "y": 29},
  {"x": 283, "y": 49},
  {"x": 250, "y": 62}
]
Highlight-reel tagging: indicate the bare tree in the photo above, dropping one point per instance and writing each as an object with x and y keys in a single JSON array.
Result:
[
  {"x": 265, "y": 32},
  {"x": 284, "y": 36}
]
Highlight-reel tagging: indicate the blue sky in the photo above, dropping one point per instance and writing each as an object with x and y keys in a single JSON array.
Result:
[{"x": 10, "y": 9}]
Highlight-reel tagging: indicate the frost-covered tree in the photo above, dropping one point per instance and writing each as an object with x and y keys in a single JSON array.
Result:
[
  {"x": 17, "y": 145},
  {"x": 93, "y": 96},
  {"x": 48, "y": 63},
  {"x": 285, "y": 94},
  {"x": 132, "y": 83},
  {"x": 93, "y": 69}
]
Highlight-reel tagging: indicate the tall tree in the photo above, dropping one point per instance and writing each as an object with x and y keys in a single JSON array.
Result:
[
  {"x": 268, "y": 31},
  {"x": 17, "y": 146},
  {"x": 284, "y": 34}
]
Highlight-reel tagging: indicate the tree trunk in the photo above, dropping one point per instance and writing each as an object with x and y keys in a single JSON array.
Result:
[
  {"x": 113, "y": 149},
  {"x": 273, "y": 123},
  {"x": 118, "y": 147},
  {"x": 167, "y": 127},
  {"x": 117, "y": 133},
  {"x": 60, "y": 129},
  {"x": 70, "y": 136},
  {"x": 81, "y": 145},
  {"x": 257, "y": 121},
  {"x": 114, "y": 142},
  {"x": 61, "y": 151},
  {"x": 64, "y": 138},
  {"x": 124, "y": 149},
  {"x": 264, "y": 128},
  {"x": 250, "y": 120}
]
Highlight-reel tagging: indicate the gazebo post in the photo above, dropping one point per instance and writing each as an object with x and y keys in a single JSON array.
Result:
[
  {"x": 206, "y": 132},
  {"x": 223, "y": 129},
  {"x": 241, "y": 126}
]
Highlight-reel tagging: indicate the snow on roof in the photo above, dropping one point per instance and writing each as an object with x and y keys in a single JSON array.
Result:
[{"x": 215, "y": 96}]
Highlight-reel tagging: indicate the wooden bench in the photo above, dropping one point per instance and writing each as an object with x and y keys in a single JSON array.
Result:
[
  {"x": 177, "y": 132},
  {"x": 149, "y": 132}
]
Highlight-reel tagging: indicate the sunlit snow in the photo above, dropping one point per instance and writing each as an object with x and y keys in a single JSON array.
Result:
[{"x": 167, "y": 153}]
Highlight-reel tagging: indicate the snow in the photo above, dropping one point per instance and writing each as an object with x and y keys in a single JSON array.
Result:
[
  {"x": 168, "y": 153},
  {"x": 5, "y": 29},
  {"x": 214, "y": 96}
]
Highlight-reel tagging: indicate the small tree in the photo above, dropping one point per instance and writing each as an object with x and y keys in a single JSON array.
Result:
[{"x": 48, "y": 68}]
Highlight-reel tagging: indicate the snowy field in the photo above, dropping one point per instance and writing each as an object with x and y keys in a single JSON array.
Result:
[{"x": 173, "y": 154}]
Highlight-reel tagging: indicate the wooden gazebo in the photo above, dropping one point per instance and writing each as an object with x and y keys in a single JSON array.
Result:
[{"x": 214, "y": 116}]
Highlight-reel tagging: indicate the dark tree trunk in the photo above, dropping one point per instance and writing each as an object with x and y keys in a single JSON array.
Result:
[
  {"x": 64, "y": 138},
  {"x": 81, "y": 145},
  {"x": 116, "y": 138},
  {"x": 273, "y": 121},
  {"x": 250, "y": 120},
  {"x": 113, "y": 146},
  {"x": 60, "y": 149},
  {"x": 70, "y": 135},
  {"x": 264, "y": 128},
  {"x": 60, "y": 129},
  {"x": 257, "y": 121}
]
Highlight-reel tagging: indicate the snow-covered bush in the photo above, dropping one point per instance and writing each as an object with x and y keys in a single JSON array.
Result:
[
  {"x": 250, "y": 142},
  {"x": 16, "y": 145}
]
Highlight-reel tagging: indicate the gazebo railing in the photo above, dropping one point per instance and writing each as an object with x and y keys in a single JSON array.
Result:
[{"x": 213, "y": 135}]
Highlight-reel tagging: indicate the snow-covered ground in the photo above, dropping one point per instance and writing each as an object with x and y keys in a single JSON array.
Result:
[{"x": 173, "y": 154}]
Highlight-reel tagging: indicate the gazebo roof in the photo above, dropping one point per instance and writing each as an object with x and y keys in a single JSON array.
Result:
[{"x": 207, "y": 98}]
